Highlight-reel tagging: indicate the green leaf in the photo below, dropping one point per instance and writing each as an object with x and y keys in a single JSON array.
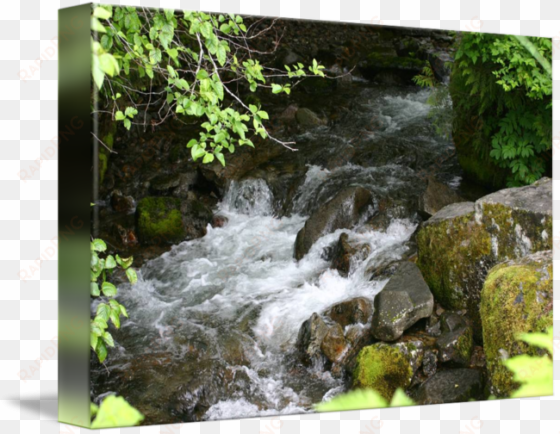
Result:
[
  {"x": 400, "y": 399},
  {"x": 93, "y": 340},
  {"x": 208, "y": 158},
  {"x": 119, "y": 116},
  {"x": 221, "y": 158},
  {"x": 541, "y": 340},
  {"x": 127, "y": 124},
  {"x": 197, "y": 151},
  {"x": 131, "y": 274},
  {"x": 116, "y": 412},
  {"x": 108, "y": 339},
  {"x": 276, "y": 88},
  {"x": 123, "y": 311},
  {"x": 263, "y": 115},
  {"x": 124, "y": 262},
  {"x": 110, "y": 262},
  {"x": 94, "y": 289},
  {"x": 109, "y": 289},
  {"x": 221, "y": 55},
  {"x": 98, "y": 245},
  {"x": 191, "y": 143},
  {"x": 355, "y": 400},
  {"x": 115, "y": 318},
  {"x": 96, "y": 26},
  {"x": 101, "y": 350},
  {"x": 93, "y": 408},
  {"x": 104, "y": 14}
]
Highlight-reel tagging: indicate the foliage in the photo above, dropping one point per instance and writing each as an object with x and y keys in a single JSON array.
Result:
[
  {"x": 506, "y": 82},
  {"x": 115, "y": 412},
  {"x": 100, "y": 268},
  {"x": 182, "y": 64},
  {"x": 535, "y": 374},
  {"x": 364, "y": 398},
  {"x": 441, "y": 112}
]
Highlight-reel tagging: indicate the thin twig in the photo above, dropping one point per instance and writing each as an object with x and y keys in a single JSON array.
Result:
[{"x": 106, "y": 147}]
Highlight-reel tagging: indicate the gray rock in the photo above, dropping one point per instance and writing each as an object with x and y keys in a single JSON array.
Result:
[
  {"x": 310, "y": 337},
  {"x": 341, "y": 212},
  {"x": 436, "y": 196},
  {"x": 454, "y": 385},
  {"x": 307, "y": 118},
  {"x": 452, "y": 211},
  {"x": 343, "y": 253},
  {"x": 450, "y": 322},
  {"x": 401, "y": 303},
  {"x": 456, "y": 346},
  {"x": 429, "y": 363},
  {"x": 354, "y": 311}
]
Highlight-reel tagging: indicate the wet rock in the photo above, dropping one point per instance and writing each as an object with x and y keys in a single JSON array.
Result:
[
  {"x": 354, "y": 311},
  {"x": 334, "y": 344},
  {"x": 122, "y": 204},
  {"x": 219, "y": 221},
  {"x": 433, "y": 326},
  {"x": 454, "y": 385},
  {"x": 429, "y": 363},
  {"x": 385, "y": 367},
  {"x": 435, "y": 197},
  {"x": 307, "y": 118},
  {"x": 516, "y": 298},
  {"x": 383, "y": 271},
  {"x": 186, "y": 182},
  {"x": 196, "y": 216},
  {"x": 456, "y": 346},
  {"x": 159, "y": 220},
  {"x": 402, "y": 302},
  {"x": 289, "y": 114},
  {"x": 341, "y": 212},
  {"x": 393, "y": 69},
  {"x": 461, "y": 242},
  {"x": 310, "y": 338},
  {"x": 344, "y": 253},
  {"x": 451, "y": 321}
]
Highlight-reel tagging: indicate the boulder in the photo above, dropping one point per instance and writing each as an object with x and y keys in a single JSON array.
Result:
[
  {"x": 159, "y": 220},
  {"x": 334, "y": 344},
  {"x": 354, "y": 311},
  {"x": 456, "y": 346},
  {"x": 454, "y": 385},
  {"x": 516, "y": 298},
  {"x": 307, "y": 118},
  {"x": 429, "y": 363},
  {"x": 385, "y": 367},
  {"x": 196, "y": 216},
  {"x": 219, "y": 221},
  {"x": 288, "y": 116},
  {"x": 343, "y": 253},
  {"x": 310, "y": 338},
  {"x": 401, "y": 303},
  {"x": 122, "y": 204},
  {"x": 435, "y": 197},
  {"x": 341, "y": 212},
  {"x": 461, "y": 242}
]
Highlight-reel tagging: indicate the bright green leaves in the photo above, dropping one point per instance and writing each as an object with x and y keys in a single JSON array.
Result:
[
  {"x": 150, "y": 47},
  {"x": 116, "y": 412},
  {"x": 129, "y": 113},
  {"x": 316, "y": 69},
  {"x": 362, "y": 399},
  {"x": 277, "y": 88},
  {"x": 100, "y": 338},
  {"x": 535, "y": 374}
]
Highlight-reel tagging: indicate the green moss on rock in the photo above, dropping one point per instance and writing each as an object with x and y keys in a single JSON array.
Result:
[
  {"x": 383, "y": 368},
  {"x": 516, "y": 298},
  {"x": 453, "y": 256},
  {"x": 159, "y": 220}
]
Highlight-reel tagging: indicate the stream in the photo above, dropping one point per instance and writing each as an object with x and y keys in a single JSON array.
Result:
[{"x": 213, "y": 322}]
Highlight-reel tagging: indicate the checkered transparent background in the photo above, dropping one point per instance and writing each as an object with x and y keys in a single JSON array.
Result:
[{"x": 28, "y": 214}]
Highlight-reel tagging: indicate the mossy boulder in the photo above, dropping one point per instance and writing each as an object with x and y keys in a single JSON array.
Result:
[
  {"x": 516, "y": 298},
  {"x": 463, "y": 241},
  {"x": 384, "y": 368},
  {"x": 456, "y": 347},
  {"x": 159, "y": 220}
]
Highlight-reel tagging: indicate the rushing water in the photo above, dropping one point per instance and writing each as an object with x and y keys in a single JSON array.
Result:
[{"x": 213, "y": 322}]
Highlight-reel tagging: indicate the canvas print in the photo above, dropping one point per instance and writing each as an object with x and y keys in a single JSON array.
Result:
[{"x": 295, "y": 216}]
